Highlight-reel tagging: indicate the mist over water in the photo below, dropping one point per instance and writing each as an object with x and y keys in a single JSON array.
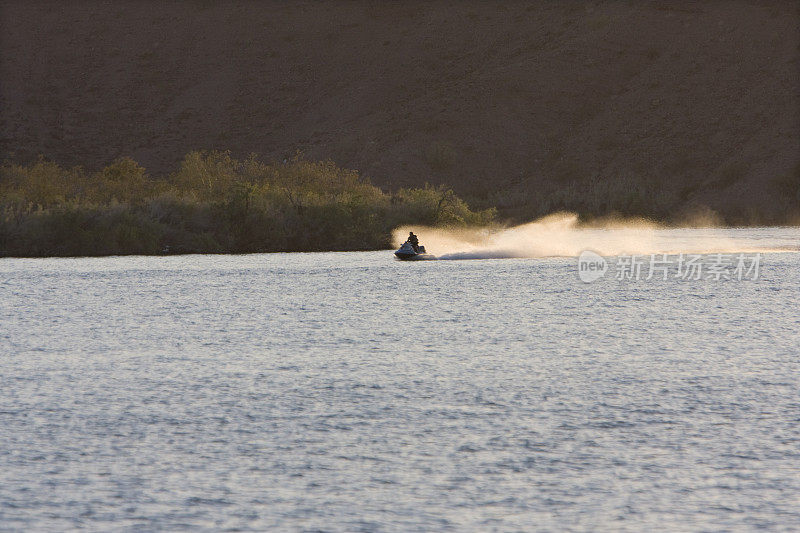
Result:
[{"x": 562, "y": 235}]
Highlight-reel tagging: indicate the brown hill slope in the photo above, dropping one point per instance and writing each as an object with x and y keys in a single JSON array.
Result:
[{"x": 528, "y": 106}]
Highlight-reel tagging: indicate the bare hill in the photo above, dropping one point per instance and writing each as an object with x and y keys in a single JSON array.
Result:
[{"x": 511, "y": 103}]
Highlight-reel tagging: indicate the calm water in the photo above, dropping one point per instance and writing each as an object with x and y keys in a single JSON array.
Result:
[{"x": 349, "y": 392}]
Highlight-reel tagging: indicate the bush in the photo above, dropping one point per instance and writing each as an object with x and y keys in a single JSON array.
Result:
[{"x": 212, "y": 203}]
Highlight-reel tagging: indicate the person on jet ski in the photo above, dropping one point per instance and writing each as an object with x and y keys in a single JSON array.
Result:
[{"x": 414, "y": 241}]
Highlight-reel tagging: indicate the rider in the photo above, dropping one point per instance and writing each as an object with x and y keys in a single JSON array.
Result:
[{"x": 414, "y": 241}]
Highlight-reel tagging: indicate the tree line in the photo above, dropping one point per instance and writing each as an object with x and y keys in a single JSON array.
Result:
[{"x": 213, "y": 203}]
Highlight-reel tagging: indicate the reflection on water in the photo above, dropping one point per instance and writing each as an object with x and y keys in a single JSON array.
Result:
[{"x": 349, "y": 391}]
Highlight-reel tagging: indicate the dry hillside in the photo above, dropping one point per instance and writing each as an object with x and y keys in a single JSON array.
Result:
[{"x": 511, "y": 103}]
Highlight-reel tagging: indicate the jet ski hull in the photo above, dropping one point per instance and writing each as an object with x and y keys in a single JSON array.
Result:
[
  {"x": 405, "y": 256},
  {"x": 412, "y": 256},
  {"x": 408, "y": 253}
]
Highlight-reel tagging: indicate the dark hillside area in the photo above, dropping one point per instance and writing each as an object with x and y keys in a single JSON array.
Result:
[{"x": 653, "y": 108}]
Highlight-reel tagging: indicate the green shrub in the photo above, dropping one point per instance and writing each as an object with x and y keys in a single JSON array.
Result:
[{"x": 212, "y": 203}]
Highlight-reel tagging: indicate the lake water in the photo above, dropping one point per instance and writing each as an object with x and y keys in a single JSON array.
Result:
[{"x": 352, "y": 392}]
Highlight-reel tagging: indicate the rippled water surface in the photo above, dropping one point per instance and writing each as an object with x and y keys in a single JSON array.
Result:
[{"x": 348, "y": 392}]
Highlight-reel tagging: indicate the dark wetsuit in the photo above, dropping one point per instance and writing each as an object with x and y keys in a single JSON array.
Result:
[{"x": 414, "y": 242}]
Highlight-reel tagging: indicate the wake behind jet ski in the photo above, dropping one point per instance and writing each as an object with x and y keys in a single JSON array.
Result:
[{"x": 411, "y": 249}]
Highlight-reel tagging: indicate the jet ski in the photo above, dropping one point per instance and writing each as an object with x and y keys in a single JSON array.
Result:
[{"x": 407, "y": 252}]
